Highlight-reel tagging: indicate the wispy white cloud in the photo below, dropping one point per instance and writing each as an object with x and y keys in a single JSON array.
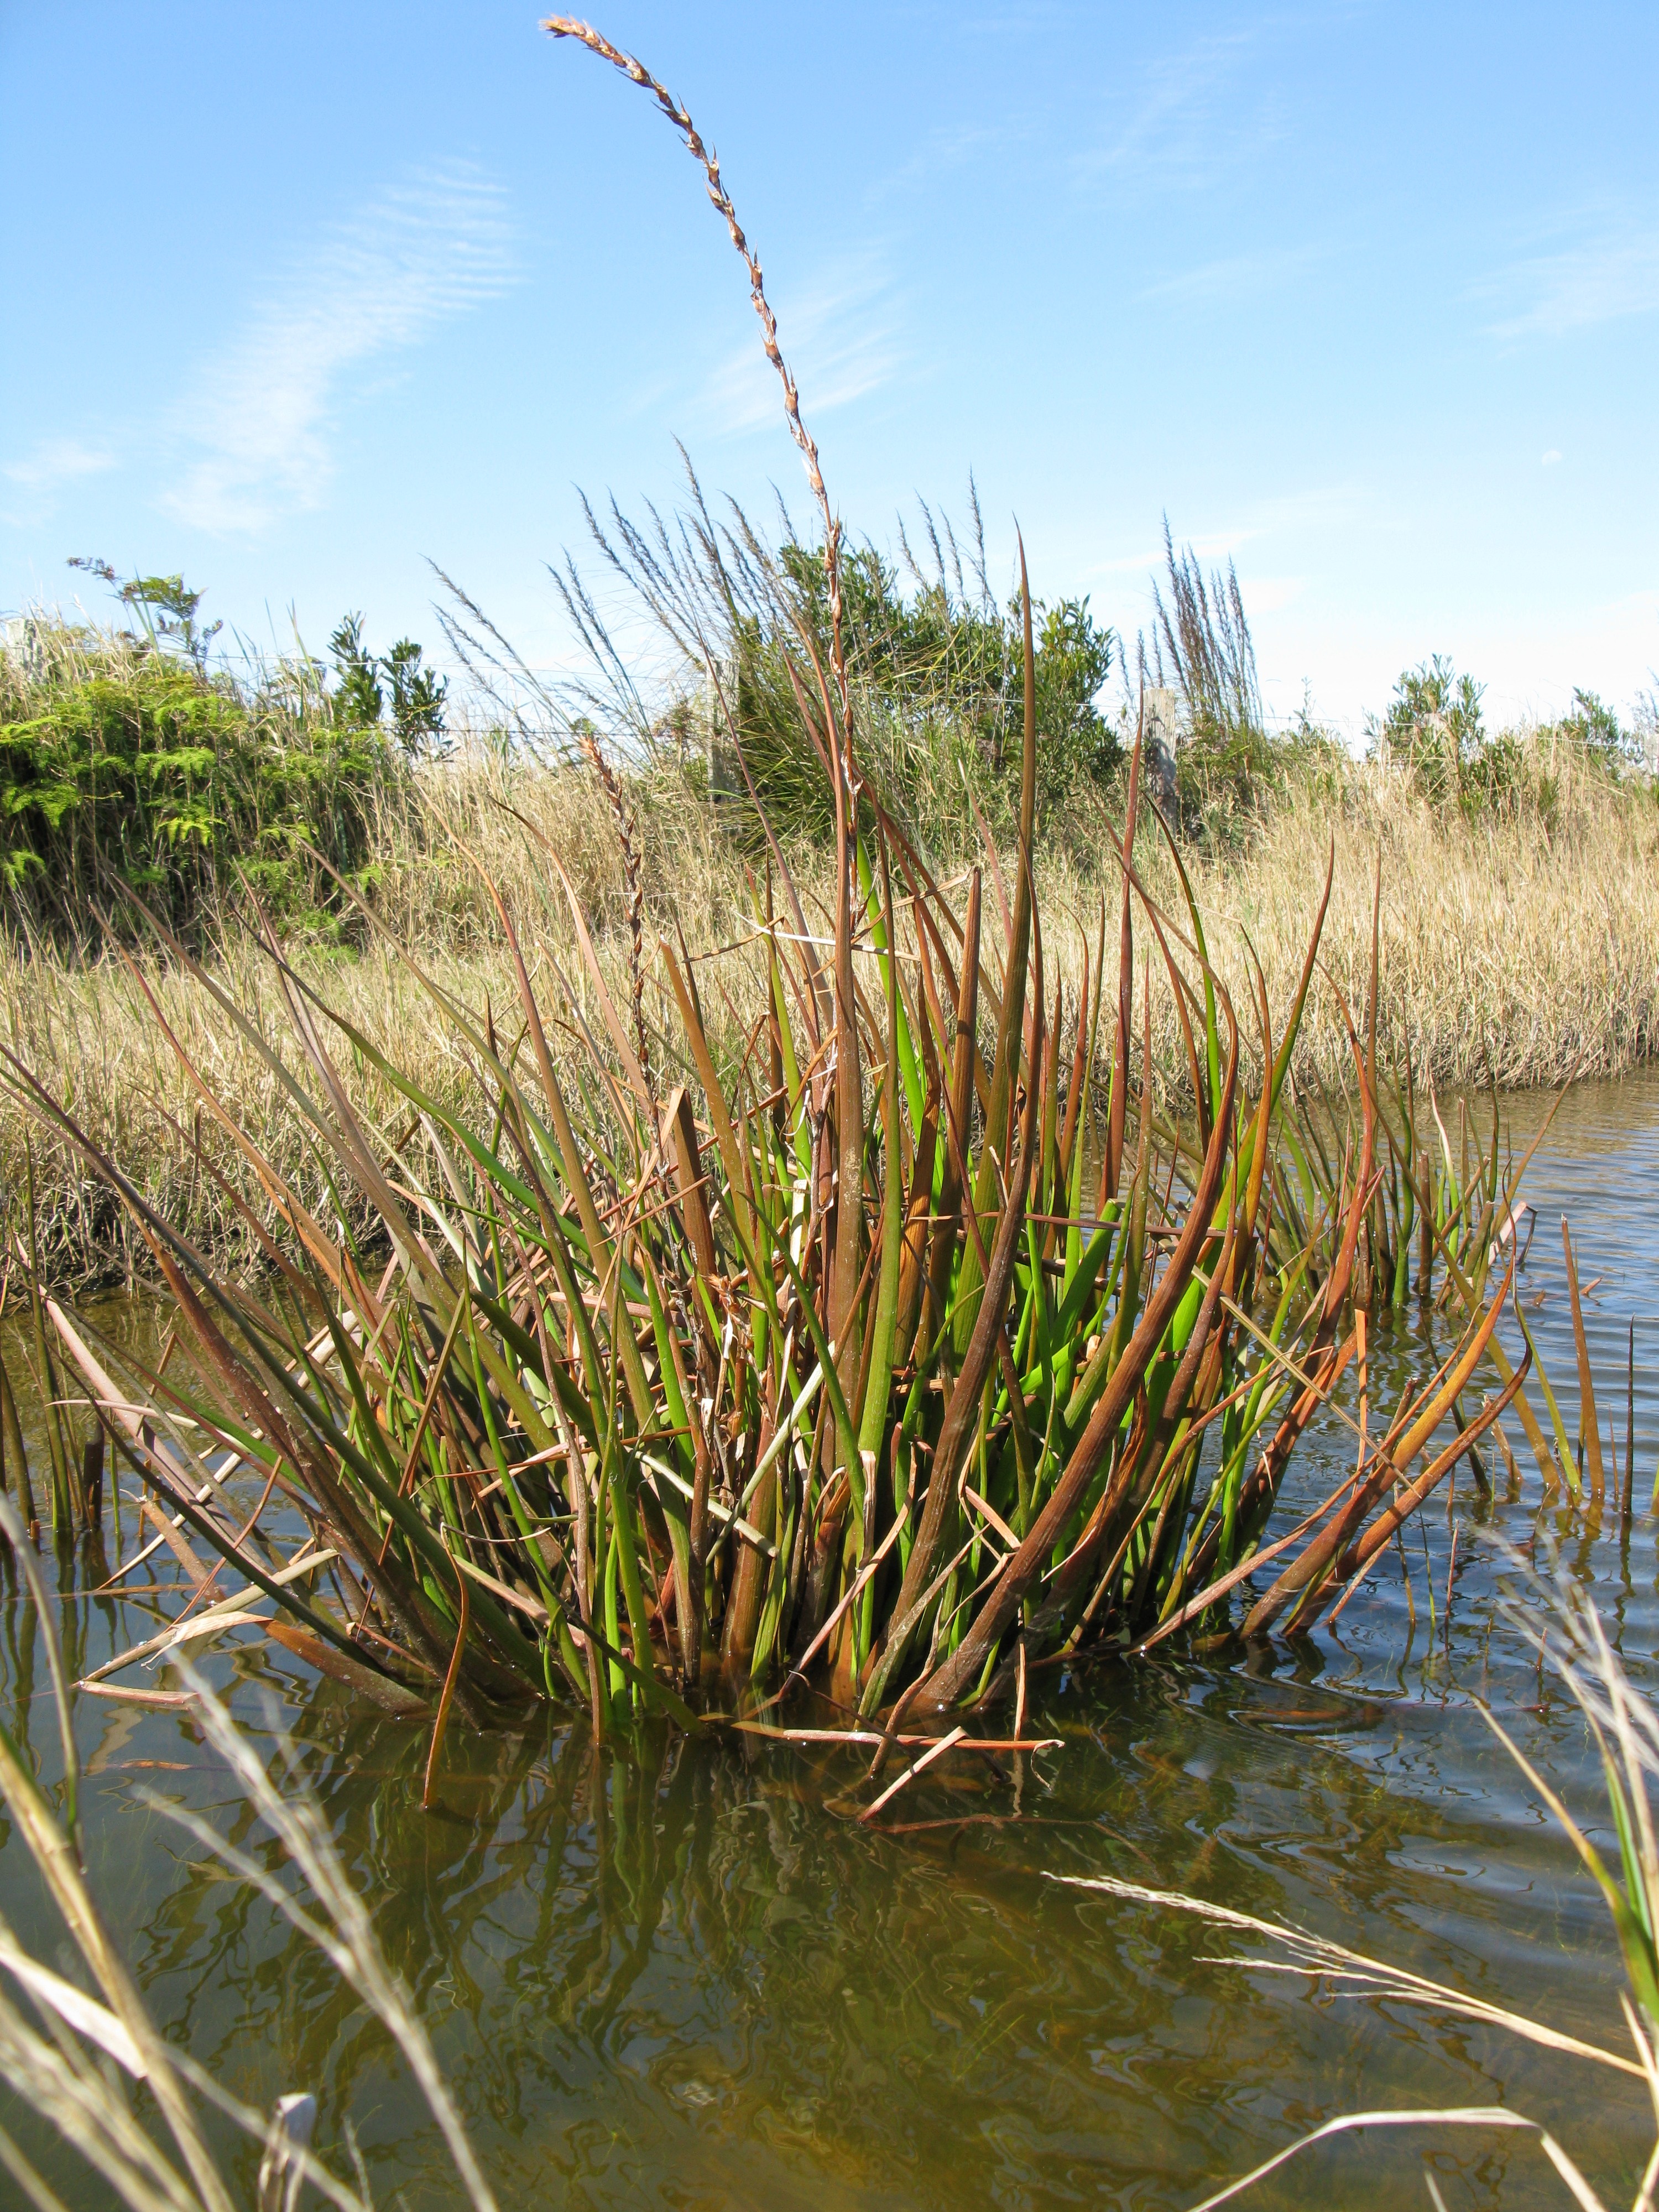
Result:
[
  {"x": 55, "y": 462},
  {"x": 839, "y": 338},
  {"x": 1238, "y": 276},
  {"x": 1319, "y": 506},
  {"x": 1601, "y": 279},
  {"x": 43, "y": 473},
  {"x": 1548, "y": 460},
  {"x": 261, "y": 415},
  {"x": 938, "y": 154},
  {"x": 1183, "y": 119}
]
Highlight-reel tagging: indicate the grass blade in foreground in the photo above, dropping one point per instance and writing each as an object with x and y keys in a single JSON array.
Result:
[
  {"x": 1562, "y": 1624},
  {"x": 63, "y": 2071}
]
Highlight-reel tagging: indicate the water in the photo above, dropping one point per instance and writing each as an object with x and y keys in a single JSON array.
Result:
[{"x": 671, "y": 1974}]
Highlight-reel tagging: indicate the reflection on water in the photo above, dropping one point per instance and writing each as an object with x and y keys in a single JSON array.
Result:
[{"x": 665, "y": 1974}]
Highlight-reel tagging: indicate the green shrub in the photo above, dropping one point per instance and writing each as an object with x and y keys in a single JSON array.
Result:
[
  {"x": 124, "y": 759},
  {"x": 933, "y": 660},
  {"x": 1594, "y": 729},
  {"x": 939, "y": 669},
  {"x": 361, "y": 700},
  {"x": 1435, "y": 730}
]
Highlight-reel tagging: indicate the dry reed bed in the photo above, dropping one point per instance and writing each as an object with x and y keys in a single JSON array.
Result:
[{"x": 1507, "y": 954}]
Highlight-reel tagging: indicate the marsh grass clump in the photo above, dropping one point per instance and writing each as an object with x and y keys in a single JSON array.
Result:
[
  {"x": 843, "y": 1358},
  {"x": 662, "y": 1374}
]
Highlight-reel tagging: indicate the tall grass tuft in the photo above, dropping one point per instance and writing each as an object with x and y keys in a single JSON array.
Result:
[{"x": 842, "y": 1355}]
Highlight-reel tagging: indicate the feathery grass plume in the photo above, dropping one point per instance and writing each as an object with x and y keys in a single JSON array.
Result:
[
  {"x": 1204, "y": 630},
  {"x": 836, "y": 1356},
  {"x": 57, "y": 2058}
]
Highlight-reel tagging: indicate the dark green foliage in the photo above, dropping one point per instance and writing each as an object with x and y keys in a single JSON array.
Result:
[
  {"x": 1434, "y": 729},
  {"x": 122, "y": 761},
  {"x": 417, "y": 697},
  {"x": 1073, "y": 661},
  {"x": 363, "y": 682},
  {"x": 1594, "y": 727},
  {"x": 933, "y": 655},
  {"x": 359, "y": 702},
  {"x": 124, "y": 758},
  {"x": 934, "y": 665}
]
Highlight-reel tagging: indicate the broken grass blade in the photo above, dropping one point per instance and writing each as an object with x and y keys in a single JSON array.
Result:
[{"x": 916, "y": 1766}]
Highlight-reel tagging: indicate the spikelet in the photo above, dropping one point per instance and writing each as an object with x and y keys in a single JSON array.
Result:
[{"x": 571, "y": 26}]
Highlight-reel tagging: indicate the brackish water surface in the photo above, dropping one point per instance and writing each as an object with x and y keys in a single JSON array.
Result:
[{"x": 670, "y": 1973}]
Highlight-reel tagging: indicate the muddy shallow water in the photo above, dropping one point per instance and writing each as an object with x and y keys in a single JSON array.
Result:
[{"x": 669, "y": 1974}]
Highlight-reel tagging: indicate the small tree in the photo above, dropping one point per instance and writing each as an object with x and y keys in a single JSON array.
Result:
[
  {"x": 418, "y": 698},
  {"x": 1433, "y": 728},
  {"x": 360, "y": 696},
  {"x": 164, "y": 606},
  {"x": 1593, "y": 725},
  {"x": 359, "y": 702}
]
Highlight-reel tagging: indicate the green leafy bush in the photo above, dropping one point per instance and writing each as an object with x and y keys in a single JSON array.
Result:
[
  {"x": 124, "y": 759},
  {"x": 1595, "y": 730},
  {"x": 933, "y": 660},
  {"x": 944, "y": 665},
  {"x": 361, "y": 700},
  {"x": 1435, "y": 730}
]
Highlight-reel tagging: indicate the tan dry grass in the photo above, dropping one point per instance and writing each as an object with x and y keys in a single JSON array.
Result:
[
  {"x": 88, "y": 1034},
  {"x": 1507, "y": 953}
]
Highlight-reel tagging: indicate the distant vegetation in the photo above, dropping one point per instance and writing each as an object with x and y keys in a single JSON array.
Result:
[
  {"x": 132, "y": 756},
  {"x": 142, "y": 768},
  {"x": 933, "y": 658},
  {"x": 127, "y": 759},
  {"x": 1435, "y": 731}
]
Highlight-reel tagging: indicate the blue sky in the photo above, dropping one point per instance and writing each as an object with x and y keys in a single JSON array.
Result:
[{"x": 1365, "y": 296}]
